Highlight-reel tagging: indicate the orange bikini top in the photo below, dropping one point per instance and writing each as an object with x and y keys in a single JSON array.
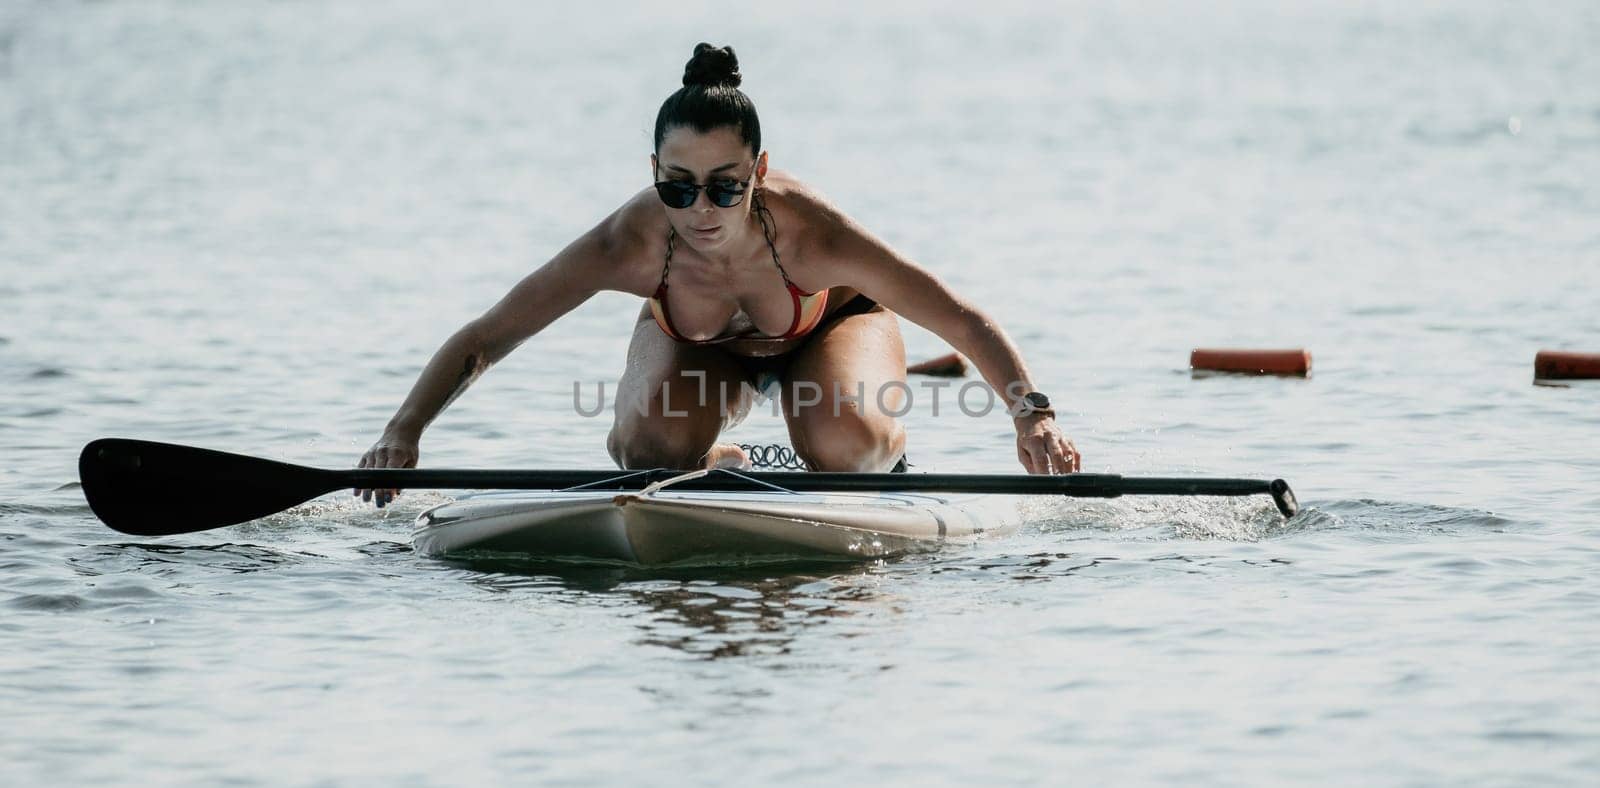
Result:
[{"x": 808, "y": 307}]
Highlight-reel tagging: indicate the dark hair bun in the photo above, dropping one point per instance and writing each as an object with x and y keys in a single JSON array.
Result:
[{"x": 712, "y": 67}]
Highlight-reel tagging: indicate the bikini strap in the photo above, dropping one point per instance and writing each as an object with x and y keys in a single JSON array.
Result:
[
  {"x": 672, "y": 237},
  {"x": 767, "y": 231}
]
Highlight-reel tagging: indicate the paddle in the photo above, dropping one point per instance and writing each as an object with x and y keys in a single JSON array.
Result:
[{"x": 158, "y": 489}]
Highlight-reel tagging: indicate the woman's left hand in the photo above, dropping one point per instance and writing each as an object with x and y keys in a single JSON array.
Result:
[{"x": 1043, "y": 448}]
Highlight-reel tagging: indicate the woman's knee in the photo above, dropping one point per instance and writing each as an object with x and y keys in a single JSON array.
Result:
[
  {"x": 659, "y": 446},
  {"x": 850, "y": 442}
]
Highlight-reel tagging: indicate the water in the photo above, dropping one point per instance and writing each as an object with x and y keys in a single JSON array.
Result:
[{"x": 246, "y": 227}]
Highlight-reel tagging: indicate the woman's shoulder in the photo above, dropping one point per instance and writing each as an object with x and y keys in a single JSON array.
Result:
[
  {"x": 623, "y": 250},
  {"x": 803, "y": 204},
  {"x": 818, "y": 223},
  {"x": 637, "y": 227}
]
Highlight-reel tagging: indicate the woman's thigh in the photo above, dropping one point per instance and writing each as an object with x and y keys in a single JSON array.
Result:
[
  {"x": 673, "y": 400},
  {"x": 842, "y": 392}
]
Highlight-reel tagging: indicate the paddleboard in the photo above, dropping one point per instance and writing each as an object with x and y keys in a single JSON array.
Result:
[{"x": 657, "y": 527}]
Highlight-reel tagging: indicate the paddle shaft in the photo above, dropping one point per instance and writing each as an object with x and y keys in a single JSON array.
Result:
[{"x": 1076, "y": 485}]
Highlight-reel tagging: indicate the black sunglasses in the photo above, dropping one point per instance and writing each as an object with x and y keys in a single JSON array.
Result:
[{"x": 724, "y": 192}]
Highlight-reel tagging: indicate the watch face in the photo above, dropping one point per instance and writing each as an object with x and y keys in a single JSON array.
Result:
[{"x": 1037, "y": 399}]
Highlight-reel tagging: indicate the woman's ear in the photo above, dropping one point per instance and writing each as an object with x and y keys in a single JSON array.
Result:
[
  {"x": 655, "y": 168},
  {"x": 761, "y": 168}
]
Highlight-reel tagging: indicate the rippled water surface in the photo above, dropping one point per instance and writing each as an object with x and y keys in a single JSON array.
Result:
[{"x": 246, "y": 226}]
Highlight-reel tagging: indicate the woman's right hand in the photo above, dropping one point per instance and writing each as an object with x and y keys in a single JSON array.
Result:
[{"x": 390, "y": 451}]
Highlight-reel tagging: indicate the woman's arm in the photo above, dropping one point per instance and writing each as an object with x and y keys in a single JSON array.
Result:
[
  {"x": 853, "y": 256},
  {"x": 556, "y": 288},
  {"x": 592, "y": 263}
]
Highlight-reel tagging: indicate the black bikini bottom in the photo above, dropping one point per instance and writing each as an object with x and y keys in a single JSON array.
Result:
[
  {"x": 777, "y": 365},
  {"x": 758, "y": 368}
]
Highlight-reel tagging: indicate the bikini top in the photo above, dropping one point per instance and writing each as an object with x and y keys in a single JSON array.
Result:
[{"x": 808, "y": 307}]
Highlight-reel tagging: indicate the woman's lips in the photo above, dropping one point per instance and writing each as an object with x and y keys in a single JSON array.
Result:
[{"x": 706, "y": 230}]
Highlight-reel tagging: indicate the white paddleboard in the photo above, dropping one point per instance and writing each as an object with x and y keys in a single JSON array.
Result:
[{"x": 657, "y": 526}]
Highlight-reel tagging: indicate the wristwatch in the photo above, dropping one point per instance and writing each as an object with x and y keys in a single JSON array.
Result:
[{"x": 1034, "y": 402}]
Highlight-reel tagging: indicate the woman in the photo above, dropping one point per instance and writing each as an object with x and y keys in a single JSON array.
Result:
[{"x": 748, "y": 276}]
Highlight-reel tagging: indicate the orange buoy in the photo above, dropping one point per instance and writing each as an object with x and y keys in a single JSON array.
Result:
[
  {"x": 1296, "y": 361},
  {"x": 1562, "y": 365},
  {"x": 949, "y": 365}
]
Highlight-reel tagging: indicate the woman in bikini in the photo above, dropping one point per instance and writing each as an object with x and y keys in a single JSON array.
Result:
[{"x": 748, "y": 276}]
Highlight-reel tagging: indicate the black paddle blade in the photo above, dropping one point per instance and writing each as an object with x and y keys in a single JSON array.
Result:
[
  {"x": 1284, "y": 498},
  {"x": 157, "y": 489}
]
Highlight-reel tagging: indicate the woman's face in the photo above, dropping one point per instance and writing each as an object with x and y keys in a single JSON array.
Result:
[{"x": 714, "y": 158}]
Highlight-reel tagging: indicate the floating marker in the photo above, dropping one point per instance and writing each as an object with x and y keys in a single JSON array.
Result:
[
  {"x": 1295, "y": 361},
  {"x": 1562, "y": 365},
  {"x": 949, "y": 365}
]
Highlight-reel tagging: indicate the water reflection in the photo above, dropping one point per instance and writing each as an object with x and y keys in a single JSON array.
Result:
[
  {"x": 707, "y": 613},
  {"x": 762, "y": 611}
]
